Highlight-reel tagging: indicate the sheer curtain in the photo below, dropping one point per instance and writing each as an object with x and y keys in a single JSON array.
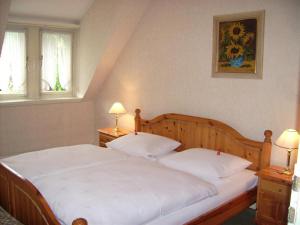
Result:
[
  {"x": 56, "y": 65},
  {"x": 13, "y": 63}
]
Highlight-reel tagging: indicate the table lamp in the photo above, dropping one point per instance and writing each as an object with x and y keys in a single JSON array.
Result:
[
  {"x": 117, "y": 108},
  {"x": 289, "y": 141}
]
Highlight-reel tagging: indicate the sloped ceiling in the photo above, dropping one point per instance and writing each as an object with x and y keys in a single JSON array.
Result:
[{"x": 104, "y": 32}]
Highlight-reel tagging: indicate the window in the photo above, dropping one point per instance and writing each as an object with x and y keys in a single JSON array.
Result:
[
  {"x": 36, "y": 63},
  {"x": 13, "y": 63},
  {"x": 56, "y": 62}
]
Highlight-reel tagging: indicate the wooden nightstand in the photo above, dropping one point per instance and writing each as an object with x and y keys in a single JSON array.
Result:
[
  {"x": 273, "y": 196},
  {"x": 108, "y": 134}
]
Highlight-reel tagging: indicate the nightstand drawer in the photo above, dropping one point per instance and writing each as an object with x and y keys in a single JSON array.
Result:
[
  {"x": 272, "y": 208},
  {"x": 105, "y": 138},
  {"x": 281, "y": 189},
  {"x": 102, "y": 144}
]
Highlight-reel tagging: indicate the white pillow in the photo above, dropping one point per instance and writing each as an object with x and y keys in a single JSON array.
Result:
[
  {"x": 205, "y": 164},
  {"x": 246, "y": 177},
  {"x": 144, "y": 144}
]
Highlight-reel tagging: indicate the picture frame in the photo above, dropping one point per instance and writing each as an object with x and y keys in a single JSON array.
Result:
[{"x": 238, "y": 45}]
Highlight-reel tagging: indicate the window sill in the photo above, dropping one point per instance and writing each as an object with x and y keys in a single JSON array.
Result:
[{"x": 19, "y": 102}]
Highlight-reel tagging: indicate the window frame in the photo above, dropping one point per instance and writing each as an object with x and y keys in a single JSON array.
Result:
[
  {"x": 33, "y": 44},
  {"x": 6, "y": 96},
  {"x": 56, "y": 94}
]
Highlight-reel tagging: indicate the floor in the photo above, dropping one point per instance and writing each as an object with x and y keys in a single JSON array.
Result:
[
  {"x": 6, "y": 219},
  {"x": 244, "y": 218}
]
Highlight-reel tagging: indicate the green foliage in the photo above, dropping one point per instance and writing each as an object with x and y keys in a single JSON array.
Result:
[{"x": 57, "y": 86}]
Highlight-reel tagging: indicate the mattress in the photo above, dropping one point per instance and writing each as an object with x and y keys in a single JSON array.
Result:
[{"x": 232, "y": 187}]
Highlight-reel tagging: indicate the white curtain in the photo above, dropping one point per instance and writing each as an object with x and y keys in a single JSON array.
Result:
[
  {"x": 13, "y": 63},
  {"x": 56, "y": 66}
]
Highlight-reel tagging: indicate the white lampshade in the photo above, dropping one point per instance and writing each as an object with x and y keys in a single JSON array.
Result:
[
  {"x": 289, "y": 139},
  {"x": 117, "y": 108}
]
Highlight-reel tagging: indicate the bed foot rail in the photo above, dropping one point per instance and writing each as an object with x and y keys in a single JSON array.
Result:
[{"x": 80, "y": 221}]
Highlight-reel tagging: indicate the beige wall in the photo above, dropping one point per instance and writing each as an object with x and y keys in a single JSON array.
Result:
[
  {"x": 34, "y": 127},
  {"x": 166, "y": 67}
]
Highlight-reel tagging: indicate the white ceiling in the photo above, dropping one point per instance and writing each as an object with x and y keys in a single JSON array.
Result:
[{"x": 65, "y": 10}]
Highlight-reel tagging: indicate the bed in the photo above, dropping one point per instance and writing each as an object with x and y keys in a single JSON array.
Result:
[{"x": 25, "y": 202}]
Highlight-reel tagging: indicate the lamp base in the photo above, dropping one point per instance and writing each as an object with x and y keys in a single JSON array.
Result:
[{"x": 116, "y": 130}]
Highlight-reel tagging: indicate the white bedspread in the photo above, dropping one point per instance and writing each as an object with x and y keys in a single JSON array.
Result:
[
  {"x": 228, "y": 190},
  {"x": 109, "y": 188},
  {"x": 33, "y": 165}
]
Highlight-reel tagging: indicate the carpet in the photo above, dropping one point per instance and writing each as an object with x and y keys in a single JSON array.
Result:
[
  {"x": 6, "y": 219},
  {"x": 246, "y": 217}
]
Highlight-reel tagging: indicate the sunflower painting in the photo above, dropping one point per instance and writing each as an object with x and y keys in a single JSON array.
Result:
[{"x": 238, "y": 48}]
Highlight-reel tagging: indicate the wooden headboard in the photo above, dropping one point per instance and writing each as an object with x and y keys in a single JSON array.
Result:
[{"x": 200, "y": 132}]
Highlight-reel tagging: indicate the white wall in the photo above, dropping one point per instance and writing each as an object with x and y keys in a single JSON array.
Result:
[
  {"x": 166, "y": 67},
  {"x": 35, "y": 127}
]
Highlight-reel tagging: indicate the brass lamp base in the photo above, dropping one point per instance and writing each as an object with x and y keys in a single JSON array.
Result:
[
  {"x": 287, "y": 170},
  {"x": 116, "y": 130}
]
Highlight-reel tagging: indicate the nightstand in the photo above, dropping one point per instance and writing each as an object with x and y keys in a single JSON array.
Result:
[
  {"x": 108, "y": 134},
  {"x": 273, "y": 196}
]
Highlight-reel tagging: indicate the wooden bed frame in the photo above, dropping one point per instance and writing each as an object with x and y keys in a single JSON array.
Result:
[{"x": 23, "y": 201}]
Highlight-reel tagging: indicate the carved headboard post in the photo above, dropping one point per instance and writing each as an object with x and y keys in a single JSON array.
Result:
[
  {"x": 266, "y": 150},
  {"x": 80, "y": 221},
  {"x": 137, "y": 120}
]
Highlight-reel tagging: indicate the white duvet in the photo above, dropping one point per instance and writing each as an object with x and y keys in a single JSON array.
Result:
[
  {"x": 33, "y": 165},
  {"x": 112, "y": 188}
]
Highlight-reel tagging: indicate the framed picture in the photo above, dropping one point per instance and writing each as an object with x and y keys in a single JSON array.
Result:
[{"x": 238, "y": 45}]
